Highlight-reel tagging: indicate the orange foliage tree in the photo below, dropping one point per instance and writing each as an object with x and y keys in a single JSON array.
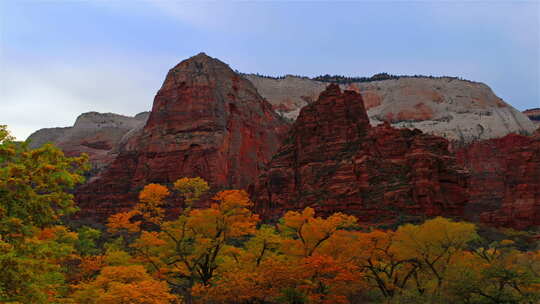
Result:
[
  {"x": 307, "y": 233},
  {"x": 290, "y": 266},
  {"x": 218, "y": 255},
  {"x": 186, "y": 250},
  {"x": 123, "y": 284}
]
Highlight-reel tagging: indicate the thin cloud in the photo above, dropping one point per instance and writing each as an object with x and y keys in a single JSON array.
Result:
[
  {"x": 35, "y": 97},
  {"x": 111, "y": 56}
]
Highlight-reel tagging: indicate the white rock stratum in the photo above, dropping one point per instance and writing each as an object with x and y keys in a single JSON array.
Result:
[{"x": 459, "y": 110}]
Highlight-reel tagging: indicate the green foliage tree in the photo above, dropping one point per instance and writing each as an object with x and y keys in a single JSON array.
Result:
[{"x": 34, "y": 195}]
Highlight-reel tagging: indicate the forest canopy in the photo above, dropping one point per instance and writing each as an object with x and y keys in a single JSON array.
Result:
[{"x": 225, "y": 253}]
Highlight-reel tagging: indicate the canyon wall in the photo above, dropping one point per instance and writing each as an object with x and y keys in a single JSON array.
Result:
[
  {"x": 206, "y": 121},
  {"x": 504, "y": 186},
  {"x": 458, "y": 110},
  {"x": 387, "y": 151},
  {"x": 334, "y": 161}
]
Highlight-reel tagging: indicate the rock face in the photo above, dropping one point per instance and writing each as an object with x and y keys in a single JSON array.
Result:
[
  {"x": 534, "y": 116},
  {"x": 333, "y": 160},
  {"x": 97, "y": 134},
  {"x": 206, "y": 121},
  {"x": 458, "y": 110},
  {"x": 287, "y": 95},
  {"x": 363, "y": 154},
  {"x": 505, "y": 180}
]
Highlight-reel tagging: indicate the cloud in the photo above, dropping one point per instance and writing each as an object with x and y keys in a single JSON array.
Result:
[
  {"x": 111, "y": 56},
  {"x": 41, "y": 96}
]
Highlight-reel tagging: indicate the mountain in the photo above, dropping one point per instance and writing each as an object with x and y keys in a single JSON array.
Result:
[
  {"x": 334, "y": 160},
  {"x": 458, "y": 110},
  {"x": 206, "y": 121},
  {"x": 375, "y": 154},
  {"x": 96, "y": 134}
]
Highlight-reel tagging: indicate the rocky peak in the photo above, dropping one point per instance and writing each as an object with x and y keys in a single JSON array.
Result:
[
  {"x": 206, "y": 121},
  {"x": 334, "y": 161},
  {"x": 213, "y": 85},
  {"x": 331, "y": 90},
  {"x": 336, "y": 120},
  {"x": 199, "y": 69}
]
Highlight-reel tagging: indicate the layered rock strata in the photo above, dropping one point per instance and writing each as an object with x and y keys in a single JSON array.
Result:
[
  {"x": 206, "y": 121},
  {"x": 504, "y": 186},
  {"x": 458, "y": 110},
  {"x": 334, "y": 161},
  {"x": 97, "y": 134}
]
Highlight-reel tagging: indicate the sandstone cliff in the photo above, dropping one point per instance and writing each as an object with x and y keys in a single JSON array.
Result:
[
  {"x": 96, "y": 134},
  {"x": 211, "y": 122},
  {"x": 504, "y": 186},
  {"x": 333, "y": 160},
  {"x": 206, "y": 121},
  {"x": 458, "y": 110}
]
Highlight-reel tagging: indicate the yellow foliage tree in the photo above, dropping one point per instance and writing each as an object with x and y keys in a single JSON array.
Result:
[
  {"x": 151, "y": 199},
  {"x": 191, "y": 189},
  {"x": 433, "y": 244},
  {"x": 123, "y": 284},
  {"x": 186, "y": 250},
  {"x": 309, "y": 232}
]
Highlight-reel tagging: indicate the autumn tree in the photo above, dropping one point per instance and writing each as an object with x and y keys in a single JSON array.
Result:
[
  {"x": 35, "y": 184},
  {"x": 186, "y": 250},
  {"x": 150, "y": 203},
  {"x": 149, "y": 209},
  {"x": 191, "y": 189},
  {"x": 496, "y": 273},
  {"x": 34, "y": 196},
  {"x": 240, "y": 280},
  {"x": 129, "y": 284},
  {"x": 327, "y": 280},
  {"x": 270, "y": 267},
  {"x": 5, "y": 135},
  {"x": 307, "y": 233},
  {"x": 256, "y": 272},
  {"x": 378, "y": 258},
  {"x": 434, "y": 245}
]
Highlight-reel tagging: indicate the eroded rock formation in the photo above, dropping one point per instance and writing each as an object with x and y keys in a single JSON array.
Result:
[
  {"x": 211, "y": 122},
  {"x": 456, "y": 109},
  {"x": 97, "y": 134},
  {"x": 206, "y": 121},
  {"x": 505, "y": 180},
  {"x": 333, "y": 160}
]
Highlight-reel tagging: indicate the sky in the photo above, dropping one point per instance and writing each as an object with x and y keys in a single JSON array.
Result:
[{"x": 59, "y": 59}]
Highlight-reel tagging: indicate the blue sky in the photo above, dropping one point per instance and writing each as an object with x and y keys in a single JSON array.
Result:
[{"x": 61, "y": 58}]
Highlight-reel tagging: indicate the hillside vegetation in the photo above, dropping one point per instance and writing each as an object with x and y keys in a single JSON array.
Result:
[{"x": 224, "y": 253}]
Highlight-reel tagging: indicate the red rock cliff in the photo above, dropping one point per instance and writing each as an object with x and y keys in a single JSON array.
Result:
[
  {"x": 333, "y": 160},
  {"x": 206, "y": 121},
  {"x": 505, "y": 180}
]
